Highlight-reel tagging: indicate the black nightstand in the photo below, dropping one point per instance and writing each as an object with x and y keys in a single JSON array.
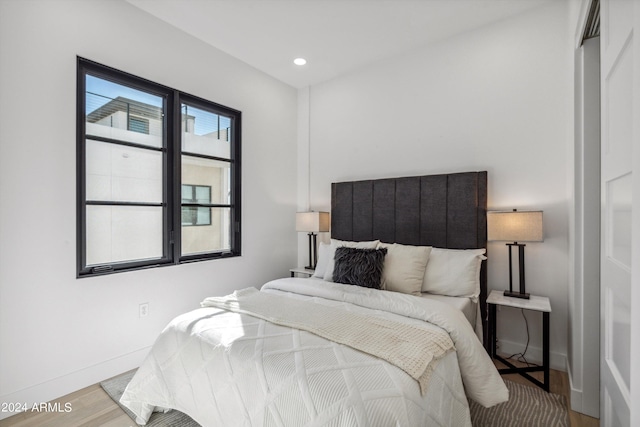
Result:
[{"x": 535, "y": 303}]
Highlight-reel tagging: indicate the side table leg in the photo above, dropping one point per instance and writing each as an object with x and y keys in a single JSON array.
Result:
[
  {"x": 492, "y": 330},
  {"x": 545, "y": 348}
]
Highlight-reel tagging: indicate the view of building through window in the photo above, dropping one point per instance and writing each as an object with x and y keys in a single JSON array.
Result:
[
  {"x": 205, "y": 150},
  {"x": 128, "y": 152},
  {"x": 124, "y": 183},
  {"x": 196, "y": 194}
]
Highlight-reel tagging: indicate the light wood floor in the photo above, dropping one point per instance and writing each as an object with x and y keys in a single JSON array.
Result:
[{"x": 91, "y": 406}]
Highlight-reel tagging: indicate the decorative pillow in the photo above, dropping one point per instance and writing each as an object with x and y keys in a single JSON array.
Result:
[
  {"x": 404, "y": 267},
  {"x": 454, "y": 272},
  {"x": 328, "y": 273},
  {"x": 323, "y": 260},
  {"x": 360, "y": 267}
]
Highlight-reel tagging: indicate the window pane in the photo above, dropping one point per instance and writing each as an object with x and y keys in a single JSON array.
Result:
[
  {"x": 119, "y": 112},
  {"x": 203, "y": 194},
  {"x": 204, "y": 132},
  {"x": 123, "y": 233},
  {"x": 203, "y": 216},
  {"x": 208, "y": 238},
  {"x": 187, "y": 193},
  {"x": 192, "y": 215},
  {"x": 120, "y": 173},
  {"x": 213, "y": 175},
  {"x": 189, "y": 215}
]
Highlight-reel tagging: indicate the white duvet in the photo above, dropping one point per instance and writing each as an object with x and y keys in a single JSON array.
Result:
[{"x": 230, "y": 369}]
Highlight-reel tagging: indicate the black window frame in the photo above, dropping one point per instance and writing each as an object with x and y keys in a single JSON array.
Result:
[{"x": 171, "y": 152}]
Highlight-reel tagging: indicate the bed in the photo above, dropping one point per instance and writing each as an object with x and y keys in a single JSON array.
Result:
[{"x": 403, "y": 348}]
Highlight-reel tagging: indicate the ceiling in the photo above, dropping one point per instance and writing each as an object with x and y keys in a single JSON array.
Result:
[{"x": 335, "y": 36}]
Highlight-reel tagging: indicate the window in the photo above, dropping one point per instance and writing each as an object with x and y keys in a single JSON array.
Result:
[
  {"x": 158, "y": 174},
  {"x": 138, "y": 125},
  {"x": 192, "y": 196}
]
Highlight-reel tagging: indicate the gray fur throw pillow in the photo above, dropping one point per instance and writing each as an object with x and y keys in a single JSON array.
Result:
[{"x": 361, "y": 267}]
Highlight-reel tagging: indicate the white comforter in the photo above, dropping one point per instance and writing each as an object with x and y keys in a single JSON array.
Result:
[{"x": 230, "y": 369}]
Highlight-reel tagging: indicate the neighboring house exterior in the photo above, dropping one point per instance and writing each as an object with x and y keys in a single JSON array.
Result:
[{"x": 128, "y": 173}]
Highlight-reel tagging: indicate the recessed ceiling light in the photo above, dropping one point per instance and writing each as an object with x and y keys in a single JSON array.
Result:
[{"x": 299, "y": 61}]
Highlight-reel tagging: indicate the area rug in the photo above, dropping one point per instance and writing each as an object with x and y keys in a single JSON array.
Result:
[
  {"x": 115, "y": 387},
  {"x": 527, "y": 407}
]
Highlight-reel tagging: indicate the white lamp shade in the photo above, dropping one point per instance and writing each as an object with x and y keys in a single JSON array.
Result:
[
  {"x": 312, "y": 222},
  {"x": 514, "y": 226}
]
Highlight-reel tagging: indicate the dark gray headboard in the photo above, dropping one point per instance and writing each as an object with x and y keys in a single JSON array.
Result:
[{"x": 445, "y": 211}]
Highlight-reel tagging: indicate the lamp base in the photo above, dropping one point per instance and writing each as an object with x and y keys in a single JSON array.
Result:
[
  {"x": 313, "y": 254},
  {"x": 515, "y": 294}
]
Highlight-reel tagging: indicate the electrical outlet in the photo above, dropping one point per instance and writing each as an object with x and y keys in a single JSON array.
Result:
[{"x": 143, "y": 309}]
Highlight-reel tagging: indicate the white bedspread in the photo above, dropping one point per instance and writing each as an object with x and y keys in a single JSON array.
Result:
[
  {"x": 230, "y": 369},
  {"x": 481, "y": 380},
  {"x": 414, "y": 349}
]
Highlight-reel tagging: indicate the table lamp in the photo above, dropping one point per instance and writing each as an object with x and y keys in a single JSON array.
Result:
[
  {"x": 515, "y": 226},
  {"x": 312, "y": 222}
]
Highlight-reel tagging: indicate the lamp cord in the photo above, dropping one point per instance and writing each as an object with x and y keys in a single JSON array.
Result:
[
  {"x": 309, "y": 147},
  {"x": 521, "y": 356}
]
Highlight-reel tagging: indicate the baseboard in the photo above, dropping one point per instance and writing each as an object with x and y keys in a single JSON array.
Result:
[
  {"x": 557, "y": 361},
  {"x": 65, "y": 384}
]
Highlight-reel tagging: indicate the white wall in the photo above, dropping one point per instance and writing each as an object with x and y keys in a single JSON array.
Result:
[
  {"x": 498, "y": 99},
  {"x": 59, "y": 333}
]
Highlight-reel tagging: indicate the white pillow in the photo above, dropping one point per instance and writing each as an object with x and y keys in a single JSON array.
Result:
[
  {"x": 328, "y": 273},
  {"x": 323, "y": 260},
  {"x": 454, "y": 272},
  {"x": 404, "y": 267}
]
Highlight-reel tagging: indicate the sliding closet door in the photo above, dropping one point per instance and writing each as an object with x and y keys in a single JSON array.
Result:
[{"x": 619, "y": 56}]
